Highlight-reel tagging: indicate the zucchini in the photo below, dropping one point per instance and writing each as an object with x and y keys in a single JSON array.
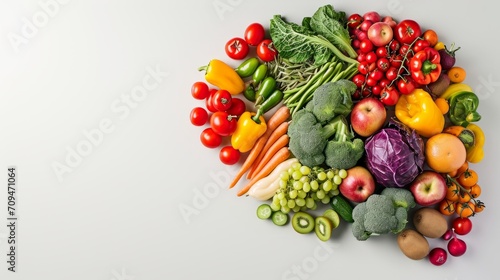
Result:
[{"x": 342, "y": 207}]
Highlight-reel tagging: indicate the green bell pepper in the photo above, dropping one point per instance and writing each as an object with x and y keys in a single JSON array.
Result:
[{"x": 463, "y": 108}]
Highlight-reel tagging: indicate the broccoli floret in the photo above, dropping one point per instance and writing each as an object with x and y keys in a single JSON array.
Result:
[
  {"x": 343, "y": 151},
  {"x": 400, "y": 197},
  {"x": 332, "y": 99},
  {"x": 381, "y": 214},
  {"x": 308, "y": 138}
]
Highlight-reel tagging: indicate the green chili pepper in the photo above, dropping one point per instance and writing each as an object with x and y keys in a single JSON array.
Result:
[
  {"x": 248, "y": 67},
  {"x": 274, "y": 99},
  {"x": 249, "y": 93},
  {"x": 266, "y": 87},
  {"x": 259, "y": 74},
  {"x": 463, "y": 108}
]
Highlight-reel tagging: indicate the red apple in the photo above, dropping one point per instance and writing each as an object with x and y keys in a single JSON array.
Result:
[
  {"x": 372, "y": 16},
  {"x": 428, "y": 188},
  {"x": 390, "y": 20},
  {"x": 368, "y": 116},
  {"x": 358, "y": 185},
  {"x": 380, "y": 33}
]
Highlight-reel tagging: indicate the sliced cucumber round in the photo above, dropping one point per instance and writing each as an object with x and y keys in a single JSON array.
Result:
[
  {"x": 264, "y": 211},
  {"x": 279, "y": 218},
  {"x": 302, "y": 222}
]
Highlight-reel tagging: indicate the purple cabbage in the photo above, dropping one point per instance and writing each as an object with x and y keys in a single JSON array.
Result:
[{"x": 395, "y": 155}]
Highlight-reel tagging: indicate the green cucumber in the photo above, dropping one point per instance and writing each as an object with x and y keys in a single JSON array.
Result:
[{"x": 342, "y": 207}]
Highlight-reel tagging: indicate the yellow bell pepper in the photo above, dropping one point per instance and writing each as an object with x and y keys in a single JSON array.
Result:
[
  {"x": 247, "y": 132},
  {"x": 221, "y": 75},
  {"x": 476, "y": 153},
  {"x": 418, "y": 111}
]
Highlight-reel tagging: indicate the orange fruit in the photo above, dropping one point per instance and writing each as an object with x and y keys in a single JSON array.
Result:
[{"x": 445, "y": 153}]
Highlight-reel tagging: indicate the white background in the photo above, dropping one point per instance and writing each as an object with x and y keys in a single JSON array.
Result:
[{"x": 115, "y": 213}]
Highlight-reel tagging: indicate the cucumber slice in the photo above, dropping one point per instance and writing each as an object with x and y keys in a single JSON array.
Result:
[
  {"x": 333, "y": 216},
  {"x": 323, "y": 228},
  {"x": 302, "y": 222},
  {"x": 279, "y": 218},
  {"x": 264, "y": 211}
]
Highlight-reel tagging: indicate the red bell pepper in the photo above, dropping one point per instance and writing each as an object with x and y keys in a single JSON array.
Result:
[{"x": 425, "y": 66}]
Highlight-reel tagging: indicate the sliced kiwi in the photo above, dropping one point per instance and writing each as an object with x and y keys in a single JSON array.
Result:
[
  {"x": 333, "y": 216},
  {"x": 302, "y": 222},
  {"x": 323, "y": 228}
]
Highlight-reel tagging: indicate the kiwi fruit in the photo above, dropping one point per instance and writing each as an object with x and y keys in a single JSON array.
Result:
[
  {"x": 430, "y": 222},
  {"x": 323, "y": 228},
  {"x": 302, "y": 222},
  {"x": 413, "y": 244},
  {"x": 333, "y": 216},
  {"x": 440, "y": 85}
]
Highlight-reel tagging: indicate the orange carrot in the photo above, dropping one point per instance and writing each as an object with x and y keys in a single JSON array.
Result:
[
  {"x": 275, "y": 147},
  {"x": 282, "y": 155},
  {"x": 280, "y": 116},
  {"x": 277, "y": 133},
  {"x": 254, "y": 152}
]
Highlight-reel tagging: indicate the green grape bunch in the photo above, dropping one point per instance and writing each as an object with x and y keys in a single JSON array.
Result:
[{"x": 302, "y": 187}]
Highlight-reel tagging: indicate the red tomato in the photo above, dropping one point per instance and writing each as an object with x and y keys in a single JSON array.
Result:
[
  {"x": 229, "y": 155},
  {"x": 389, "y": 96},
  {"x": 209, "y": 101},
  {"x": 266, "y": 51},
  {"x": 210, "y": 139},
  {"x": 254, "y": 34},
  {"x": 199, "y": 116},
  {"x": 405, "y": 85},
  {"x": 222, "y": 123},
  {"x": 237, "y": 48},
  {"x": 222, "y": 100},
  {"x": 462, "y": 226},
  {"x": 383, "y": 64},
  {"x": 359, "y": 80},
  {"x": 237, "y": 108},
  {"x": 199, "y": 90},
  {"x": 407, "y": 31},
  {"x": 381, "y": 51},
  {"x": 366, "y": 45}
]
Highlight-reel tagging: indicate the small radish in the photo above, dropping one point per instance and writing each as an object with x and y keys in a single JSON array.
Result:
[
  {"x": 456, "y": 247},
  {"x": 438, "y": 256},
  {"x": 448, "y": 234}
]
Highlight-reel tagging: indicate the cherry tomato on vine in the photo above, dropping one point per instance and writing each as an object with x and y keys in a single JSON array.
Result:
[
  {"x": 447, "y": 207},
  {"x": 462, "y": 226},
  {"x": 468, "y": 178},
  {"x": 210, "y": 139},
  {"x": 237, "y": 108},
  {"x": 389, "y": 96},
  {"x": 465, "y": 209},
  {"x": 383, "y": 64},
  {"x": 200, "y": 90},
  {"x": 392, "y": 73},
  {"x": 359, "y": 80},
  {"x": 254, "y": 34},
  {"x": 222, "y": 100},
  {"x": 222, "y": 123},
  {"x": 229, "y": 155},
  {"x": 199, "y": 116},
  {"x": 371, "y": 57},
  {"x": 405, "y": 85},
  {"x": 266, "y": 51},
  {"x": 237, "y": 48}
]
